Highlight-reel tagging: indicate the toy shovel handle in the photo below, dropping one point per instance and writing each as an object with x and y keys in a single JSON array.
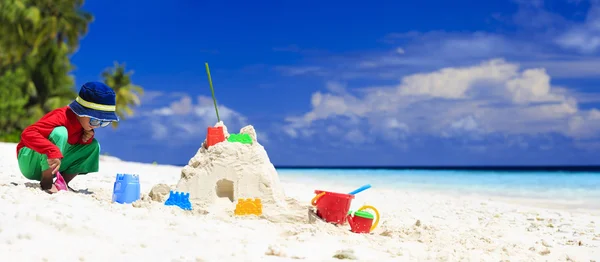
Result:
[
  {"x": 376, "y": 214},
  {"x": 316, "y": 198}
]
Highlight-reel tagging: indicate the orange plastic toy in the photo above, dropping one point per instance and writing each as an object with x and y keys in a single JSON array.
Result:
[{"x": 248, "y": 207}]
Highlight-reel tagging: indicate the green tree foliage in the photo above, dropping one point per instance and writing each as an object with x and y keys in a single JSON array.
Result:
[
  {"x": 13, "y": 115},
  {"x": 27, "y": 25},
  {"x": 51, "y": 79},
  {"x": 19, "y": 23},
  {"x": 128, "y": 94},
  {"x": 37, "y": 38}
]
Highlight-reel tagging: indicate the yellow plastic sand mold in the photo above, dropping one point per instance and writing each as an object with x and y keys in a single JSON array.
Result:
[{"x": 248, "y": 206}]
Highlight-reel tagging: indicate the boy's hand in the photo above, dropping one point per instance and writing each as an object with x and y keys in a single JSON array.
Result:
[
  {"x": 54, "y": 164},
  {"x": 87, "y": 135}
]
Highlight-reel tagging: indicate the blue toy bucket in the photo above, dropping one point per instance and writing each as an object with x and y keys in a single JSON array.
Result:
[{"x": 126, "y": 189}]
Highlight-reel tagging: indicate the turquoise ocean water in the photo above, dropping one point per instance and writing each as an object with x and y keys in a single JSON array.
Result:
[{"x": 531, "y": 184}]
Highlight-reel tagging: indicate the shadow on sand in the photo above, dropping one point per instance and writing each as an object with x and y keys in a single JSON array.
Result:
[{"x": 37, "y": 186}]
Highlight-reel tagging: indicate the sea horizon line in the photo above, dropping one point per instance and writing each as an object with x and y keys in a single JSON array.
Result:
[{"x": 503, "y": 168}]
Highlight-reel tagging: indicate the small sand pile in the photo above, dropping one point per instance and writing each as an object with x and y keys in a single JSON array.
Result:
[{"x": 232, "y": 170}]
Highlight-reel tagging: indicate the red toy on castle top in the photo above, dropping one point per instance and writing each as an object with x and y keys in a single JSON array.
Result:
[{"x": 214, "y": 135}]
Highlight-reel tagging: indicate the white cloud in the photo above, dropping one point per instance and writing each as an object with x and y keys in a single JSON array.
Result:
[
  {"x": 459, "y": 96},
  {"x": 584, "y": 37},
  {"x": 303, "y": 70},
  {"x": 542, "y": 39},
  {"x": 262, "y": 137},
  {"x": 586, "y": 125},
  {"x": 159, "y": 130},
  {"x": 434, "y": 50},
  {"x": 493, "y": 97},
  {"x": 184, "y": 118},
  {"x": 356, "y": 136},
  {"x": 150, "y": 96}
]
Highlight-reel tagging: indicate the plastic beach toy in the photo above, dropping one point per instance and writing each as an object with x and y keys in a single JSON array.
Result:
[
  {"x": 126, "y": 189},
  {"x": 60, "y": 183},
  {"x": 240, "y": 138},
  {"x": 248, "y": 206},
  {"x": 332, "y": 207},
  {"x": 361, "y": 221},
  {"x": 214, "y": 135},
  {"x": 180, "y": 199}
]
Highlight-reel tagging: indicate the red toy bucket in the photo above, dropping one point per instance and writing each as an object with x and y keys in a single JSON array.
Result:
[
  {"x": 214, "y": 135},
  {"x": 332, "y": 207}
]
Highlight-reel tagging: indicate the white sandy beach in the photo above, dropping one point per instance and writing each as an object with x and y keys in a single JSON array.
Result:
[{"x": 415, "y": 225}]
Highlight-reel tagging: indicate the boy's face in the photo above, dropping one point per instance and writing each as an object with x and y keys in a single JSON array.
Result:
[{"x": 85, "y": 123}]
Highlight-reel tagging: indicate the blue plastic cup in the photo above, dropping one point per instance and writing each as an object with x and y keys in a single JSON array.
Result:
[{"x": 126, "y": 189}]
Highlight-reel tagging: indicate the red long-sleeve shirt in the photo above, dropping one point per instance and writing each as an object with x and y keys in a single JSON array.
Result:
[{"x": 36, "y": 135}]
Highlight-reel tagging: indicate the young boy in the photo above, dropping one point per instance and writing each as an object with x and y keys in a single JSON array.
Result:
[{"x": 63, "y": 140}]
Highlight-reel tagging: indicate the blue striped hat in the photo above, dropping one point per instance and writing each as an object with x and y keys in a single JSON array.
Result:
[{"x": 96, "y": 100}]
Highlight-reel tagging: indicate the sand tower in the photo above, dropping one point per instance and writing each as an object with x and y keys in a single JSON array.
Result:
[{"x": 232, "y": 170}]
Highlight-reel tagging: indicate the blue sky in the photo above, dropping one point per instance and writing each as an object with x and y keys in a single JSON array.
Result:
[{"x": 357, "y": 83}]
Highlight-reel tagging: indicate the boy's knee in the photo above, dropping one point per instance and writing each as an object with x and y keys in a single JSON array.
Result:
[
  {"x": 95, "y": 145},
  {"x": 59, "y": 133}
]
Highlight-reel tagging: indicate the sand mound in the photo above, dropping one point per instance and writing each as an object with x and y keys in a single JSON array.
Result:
[{"x": 232, "y": 170}]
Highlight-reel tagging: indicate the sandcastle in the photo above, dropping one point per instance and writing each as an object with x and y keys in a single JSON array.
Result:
[{"x": 232, "y": 171}]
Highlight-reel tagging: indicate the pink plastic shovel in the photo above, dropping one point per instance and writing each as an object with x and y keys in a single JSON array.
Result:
[{"x": 60, "y": 183}]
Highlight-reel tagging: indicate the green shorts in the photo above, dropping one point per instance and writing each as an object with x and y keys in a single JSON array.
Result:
[{"x": 77, "y": 159}]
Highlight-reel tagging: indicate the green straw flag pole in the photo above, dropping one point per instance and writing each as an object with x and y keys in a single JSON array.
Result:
[{"x": 212, "y": 90}]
